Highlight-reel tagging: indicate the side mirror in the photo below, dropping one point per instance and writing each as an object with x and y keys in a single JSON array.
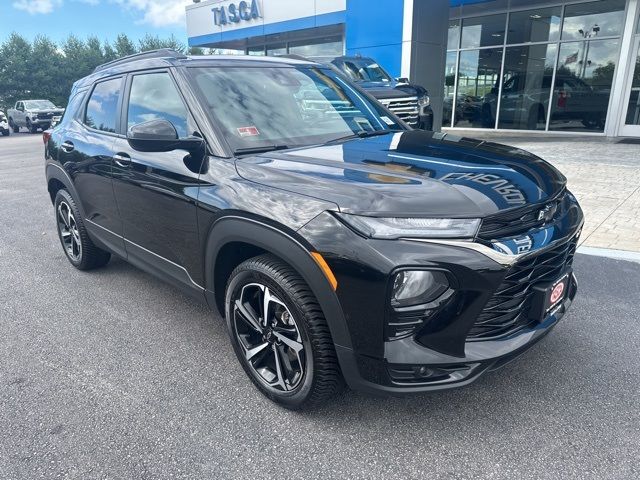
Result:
[
  {"x": 160, "y": 136},
  {"x": 402, "y": 80}
]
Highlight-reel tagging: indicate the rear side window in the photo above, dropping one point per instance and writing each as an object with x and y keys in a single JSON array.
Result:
[
  {"x": 73, "y": 107},
  {"x": 153, "y": 97},
  {"x": 102, "y": 108}
]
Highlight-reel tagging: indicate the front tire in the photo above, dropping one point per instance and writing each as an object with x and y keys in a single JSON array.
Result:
[
  {"x": 280, "y": 335},
  {"x": 77, "y": 246}
]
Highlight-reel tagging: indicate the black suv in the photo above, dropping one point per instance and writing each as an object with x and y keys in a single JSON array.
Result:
[{"x": 337, "y": 242}]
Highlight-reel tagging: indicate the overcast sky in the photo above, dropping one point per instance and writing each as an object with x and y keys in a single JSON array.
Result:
[{"x": 102, "y": 18}]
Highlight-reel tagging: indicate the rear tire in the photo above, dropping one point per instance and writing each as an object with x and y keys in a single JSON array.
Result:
[
  {"x": 16, "y": 128},
  {"x": 290, "y": 357},
  {"x": 75, "y": 241}
]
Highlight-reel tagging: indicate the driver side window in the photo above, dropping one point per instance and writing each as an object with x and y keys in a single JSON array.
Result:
[{"x": 155, "y": 97}]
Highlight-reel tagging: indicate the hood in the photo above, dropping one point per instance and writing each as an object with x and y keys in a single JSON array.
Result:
[
  {"x": 410, "y": 173},
  {"x": 45, "y": 110},
  {"x": 392, "y": 89}
]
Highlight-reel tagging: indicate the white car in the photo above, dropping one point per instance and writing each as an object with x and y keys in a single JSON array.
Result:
[{"x": 4, "y": 125}]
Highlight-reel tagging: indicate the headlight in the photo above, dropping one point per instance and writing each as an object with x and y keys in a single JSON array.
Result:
[
  {"x": 390, "y": 228},
  {"x": 415, "y": 287},
  {"x": 424, "y": 101}
]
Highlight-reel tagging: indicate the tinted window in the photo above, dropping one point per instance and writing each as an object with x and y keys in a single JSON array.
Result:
[
  {"x": 539, "y": 25},
  {"x": 483, "y": 31},
  {"x": 595, "y": 19},
  {"x": 102, "y": 108},
  {"x": 154, "y": 96}
]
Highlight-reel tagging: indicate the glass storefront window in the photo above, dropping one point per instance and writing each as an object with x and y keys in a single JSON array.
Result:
[
  {"x": 539, "y": 25},
  {"x": 483, "y": 31},
  {"x": 633, "y": 109},
  {"x": 278, "y": 49},
  {"x": 593, "y": 19},
  {"x": 479, "y": 71},
  {"x": 331, "y": 46},
  {"x": 453, "y": 38},
  {"x": 528, "y": 72},
  {"x": 449, "y": 88},
  {"x": 583, "y": 85},
  {"x": 257, "y": 50}
]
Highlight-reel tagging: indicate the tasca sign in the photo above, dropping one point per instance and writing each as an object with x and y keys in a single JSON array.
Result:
[{"x": 236, "y": 12}]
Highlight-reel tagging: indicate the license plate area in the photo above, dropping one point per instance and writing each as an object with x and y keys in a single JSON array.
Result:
[{"x": 548, "y": 296}]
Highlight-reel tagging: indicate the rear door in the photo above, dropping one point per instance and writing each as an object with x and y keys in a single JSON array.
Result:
[
  {"x": 86, "y": 152},
  {"x": 157, "y": 192}
]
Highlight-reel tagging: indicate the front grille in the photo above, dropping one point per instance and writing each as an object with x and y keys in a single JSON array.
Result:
[
  {"x": 518, "y": 221},
  {"x": 508, "y": 309},
  {"x": 406, "y": 108},
  {"x": 45, "y": 116}
]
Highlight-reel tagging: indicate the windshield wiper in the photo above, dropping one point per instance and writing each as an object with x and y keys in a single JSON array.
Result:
[
  {"x": 362, "y": 134},
  {"x": 263, "y": 149}
]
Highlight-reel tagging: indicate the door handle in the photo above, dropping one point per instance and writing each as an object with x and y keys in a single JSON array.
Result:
[
  {"x": 67, "y": 146},
  {"x": 122, "y": 159}
]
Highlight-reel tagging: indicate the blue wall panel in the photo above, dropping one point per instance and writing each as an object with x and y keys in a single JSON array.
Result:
[{"x": 374, "y": 28}]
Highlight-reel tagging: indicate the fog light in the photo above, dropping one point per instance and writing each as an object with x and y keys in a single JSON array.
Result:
[{"x": 415, "y": 287}]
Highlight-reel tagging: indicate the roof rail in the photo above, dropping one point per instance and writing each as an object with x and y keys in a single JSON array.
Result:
[
  {"x": 160, "y": 53},
  {"x": 294, "y": 56}
]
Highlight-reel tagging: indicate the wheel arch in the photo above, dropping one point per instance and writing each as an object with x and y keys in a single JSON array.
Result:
[
  {"x": 234, "y": 239},
  {"x": 58, "y": 179}
]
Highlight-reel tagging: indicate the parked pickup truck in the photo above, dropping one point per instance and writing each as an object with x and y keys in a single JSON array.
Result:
[
  {"x": 34, "y": 114},
  {"x": 408, "y": 101}
]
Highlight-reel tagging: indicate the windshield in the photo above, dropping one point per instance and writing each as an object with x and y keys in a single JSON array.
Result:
[
  {"x": 363, "y": 70},
  {"x": 286, "y": 106},
  {"x": 38, "y": 104}
]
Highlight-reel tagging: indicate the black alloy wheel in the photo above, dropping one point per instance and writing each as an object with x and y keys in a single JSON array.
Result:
[
  {"x": 280, "y": 335},
  {"x": 78, "y": 247}
]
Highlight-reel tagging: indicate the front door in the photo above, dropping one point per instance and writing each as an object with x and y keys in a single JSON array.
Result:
[
  {"x": 156, "y": 192},
  {"x": 631, "y": 126}
]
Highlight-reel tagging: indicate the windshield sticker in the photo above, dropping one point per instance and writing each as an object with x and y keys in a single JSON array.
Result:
[
  {"x": 248, "y": 131},
  {"x": 387, "y": 120}
]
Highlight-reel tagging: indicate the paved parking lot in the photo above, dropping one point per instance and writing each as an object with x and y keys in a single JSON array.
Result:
[{"x": 113, "y": 374}]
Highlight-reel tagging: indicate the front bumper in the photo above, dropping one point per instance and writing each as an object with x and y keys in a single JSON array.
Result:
[
  {"x": 4, "y": 126},
  {"x": 425, "y": 119},
  {"x": 40, "y": 122},
  {"x": 450, "y": 349},
  {"x": 406, "y": 361}
]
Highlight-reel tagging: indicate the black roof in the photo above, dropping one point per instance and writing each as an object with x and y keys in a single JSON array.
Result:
[{"x": 167, "y": 58}]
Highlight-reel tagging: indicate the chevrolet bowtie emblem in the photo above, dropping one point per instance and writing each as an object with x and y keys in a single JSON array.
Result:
[{"x": 548, "y": 212}]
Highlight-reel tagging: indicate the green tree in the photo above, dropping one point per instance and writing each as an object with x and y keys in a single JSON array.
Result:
[
  {"x": 46, "y": 66},
  {"x": 123, "y": 46},
  {"x": 15, "y": 71},
  {"x": 153, "y": 42}
]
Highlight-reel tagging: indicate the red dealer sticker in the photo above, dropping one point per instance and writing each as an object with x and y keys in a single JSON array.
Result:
[{"x": 248, "y": 131}]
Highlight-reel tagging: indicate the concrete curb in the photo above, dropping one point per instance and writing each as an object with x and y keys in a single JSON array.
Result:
[{"x": 610, "y": 253}]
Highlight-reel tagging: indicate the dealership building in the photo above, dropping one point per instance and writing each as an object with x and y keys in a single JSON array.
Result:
[{"x": 516, "y": 65}]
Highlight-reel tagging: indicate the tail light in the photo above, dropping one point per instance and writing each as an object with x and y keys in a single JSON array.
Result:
[{"x": 46, "y": 135}]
